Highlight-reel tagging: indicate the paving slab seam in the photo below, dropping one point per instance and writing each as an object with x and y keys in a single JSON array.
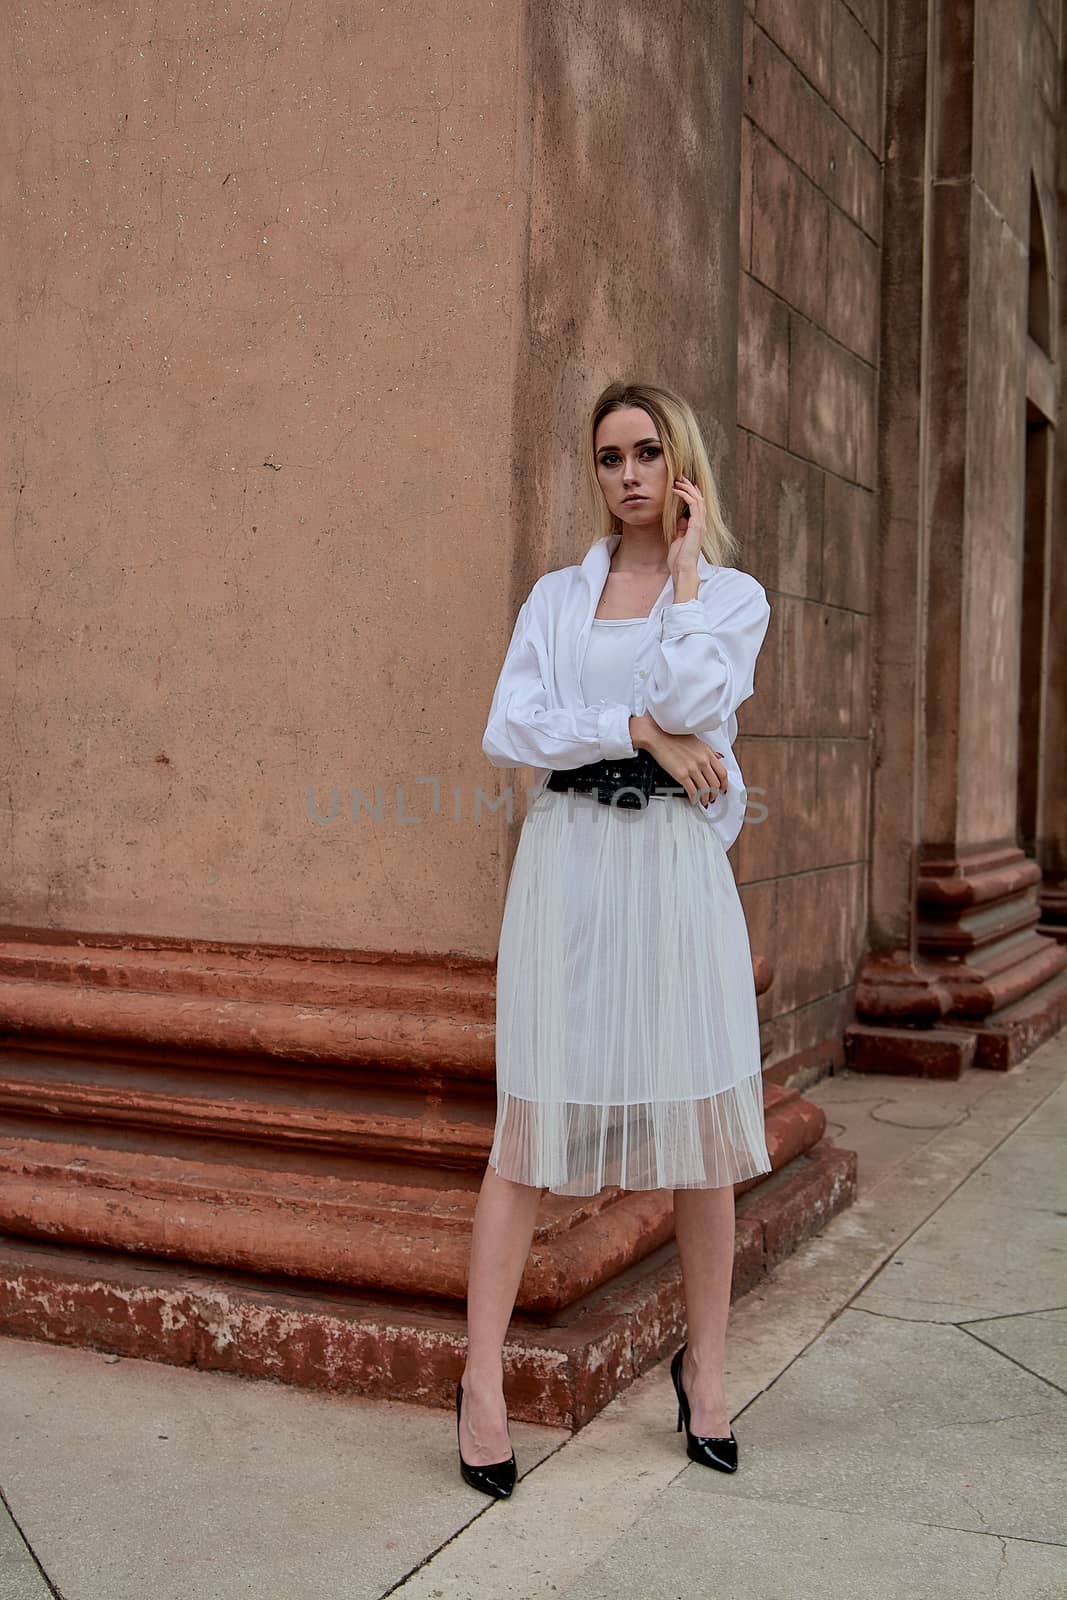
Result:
[
  {"x": 458, "y": 1533},
  {"x": 979, "y": 1161},
  {"x": 965, "y": 1327},
  {"x": 1010, "y": 1316},
  {"x": 867, "y": 1202},
  {"x": 919, "y": 1522},
  {"x": 1013, "y": 1359},
  {"x": 958, "y": 1322},
  {"x": 7, "y": 1514},
  {"x": 431, "y": 1555}
]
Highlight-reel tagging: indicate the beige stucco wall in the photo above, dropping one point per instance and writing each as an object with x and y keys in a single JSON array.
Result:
[{"x": 306, "y": 306}]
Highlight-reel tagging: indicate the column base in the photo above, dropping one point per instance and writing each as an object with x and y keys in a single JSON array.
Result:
[
  {"x": 985, "y": 986},
  {"x": 270, "y": 1165},
  {"x": 909, "y": 1052},
  {"x": 560, "y": 1369},
  {"x": 1053, "y": 902}
]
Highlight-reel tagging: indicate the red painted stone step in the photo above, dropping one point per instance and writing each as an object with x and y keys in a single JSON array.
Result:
[
  {"x": 255, "y": 1209},
  {"x": 560, "y": 1368}
]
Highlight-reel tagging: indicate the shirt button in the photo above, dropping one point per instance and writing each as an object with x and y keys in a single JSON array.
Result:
[{"x": 642, "y": 674}]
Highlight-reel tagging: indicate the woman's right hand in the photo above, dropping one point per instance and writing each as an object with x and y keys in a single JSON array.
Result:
[{"x": 699, "y": 770}]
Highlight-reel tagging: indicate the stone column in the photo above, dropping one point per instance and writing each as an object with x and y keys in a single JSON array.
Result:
[
  {"x": 957, "y": 970},
  {"x": 1044, "y": 358},
  {"x": 307, "y": 329}
]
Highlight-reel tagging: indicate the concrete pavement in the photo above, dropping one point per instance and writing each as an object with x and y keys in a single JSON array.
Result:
[{"x": 897, "y": 1386}]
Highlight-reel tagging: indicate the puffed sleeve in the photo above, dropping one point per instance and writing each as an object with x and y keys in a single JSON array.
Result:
[
  {"x": 524, "y": 731},
  {"x": 706, "y": 660}
]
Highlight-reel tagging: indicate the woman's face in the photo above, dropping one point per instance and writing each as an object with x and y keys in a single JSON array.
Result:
[{"x": 630, "y": 463}]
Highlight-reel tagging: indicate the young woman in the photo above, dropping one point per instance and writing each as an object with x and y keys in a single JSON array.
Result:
[{"x": 627, "y": 1040}]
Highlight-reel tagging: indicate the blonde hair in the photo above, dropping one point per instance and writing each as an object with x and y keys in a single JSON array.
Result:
[{"x": 684, "y": 452}]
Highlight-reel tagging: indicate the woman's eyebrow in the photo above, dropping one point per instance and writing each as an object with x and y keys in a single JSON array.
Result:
[{"x": 637, "y": 443}]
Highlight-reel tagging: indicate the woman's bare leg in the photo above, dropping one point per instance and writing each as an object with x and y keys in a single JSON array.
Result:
[
  {"x": 704, "y": 1227},
  {"x": 504, "y": 1221}
]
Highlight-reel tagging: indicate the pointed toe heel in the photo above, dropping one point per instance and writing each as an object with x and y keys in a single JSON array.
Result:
[
  {"x": 497, "y": 1478},
  {"x": 710, "y": 1452}
]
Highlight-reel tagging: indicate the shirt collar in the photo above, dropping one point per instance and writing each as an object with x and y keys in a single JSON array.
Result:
[{"x": 596, "y": 563}]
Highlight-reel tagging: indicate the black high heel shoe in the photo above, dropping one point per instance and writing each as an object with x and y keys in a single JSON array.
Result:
[
  {"x": 718, "y": 1453},
  {"x": 498, "y": 1477}
]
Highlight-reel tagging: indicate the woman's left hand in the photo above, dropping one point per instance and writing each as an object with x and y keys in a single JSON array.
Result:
[{"x": 685, "y": 547}]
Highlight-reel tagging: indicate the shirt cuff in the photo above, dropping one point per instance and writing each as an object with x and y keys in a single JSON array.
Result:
[
  {"x": 685, "y": 616},
  {"x": 613, "y": 731}
]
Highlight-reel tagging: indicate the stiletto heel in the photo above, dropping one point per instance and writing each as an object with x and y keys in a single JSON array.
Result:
[
  {"x": 718, "y": 1453},
  {"x": 498, "y": 1477}
]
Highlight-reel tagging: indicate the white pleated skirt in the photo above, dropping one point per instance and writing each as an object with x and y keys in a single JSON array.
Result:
[{"x": 627, "y": 1037}]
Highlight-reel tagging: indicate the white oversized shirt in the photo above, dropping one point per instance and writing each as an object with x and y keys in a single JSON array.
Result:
[{"x": 694, "y": 665}]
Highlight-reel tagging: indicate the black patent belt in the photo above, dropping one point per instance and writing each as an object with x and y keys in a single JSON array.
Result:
[{"x": 627, "y": 783}]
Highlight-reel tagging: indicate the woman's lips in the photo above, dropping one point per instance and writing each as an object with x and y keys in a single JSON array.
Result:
[{"x": 634, "y": 499}]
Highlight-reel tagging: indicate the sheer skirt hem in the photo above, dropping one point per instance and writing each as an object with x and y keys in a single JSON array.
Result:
[{"x": 580, "y": 1149}]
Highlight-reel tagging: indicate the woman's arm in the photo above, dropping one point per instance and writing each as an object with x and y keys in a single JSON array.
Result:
[
  {"x": 706, "y": 661},
  {"x": 522, "y": 731}
]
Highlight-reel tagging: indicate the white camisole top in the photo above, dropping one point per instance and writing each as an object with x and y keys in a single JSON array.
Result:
[{"x": 608, "y": 668}]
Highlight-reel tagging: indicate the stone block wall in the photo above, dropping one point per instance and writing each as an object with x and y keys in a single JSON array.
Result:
[{"x": 808, "y": 344}]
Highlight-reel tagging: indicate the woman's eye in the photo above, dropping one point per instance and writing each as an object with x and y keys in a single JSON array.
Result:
[{"x": 649, "y": 452}]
